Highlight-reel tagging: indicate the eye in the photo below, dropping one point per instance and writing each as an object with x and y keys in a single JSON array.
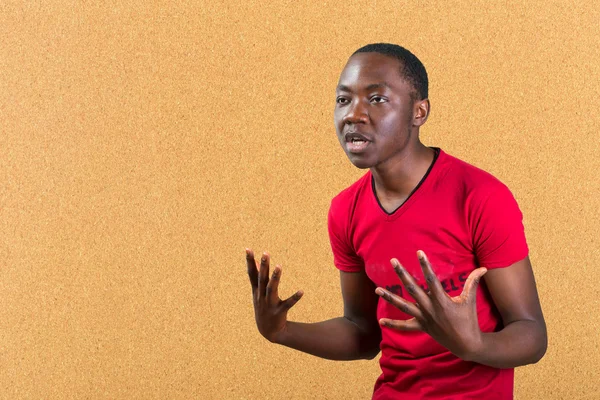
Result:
[
  {"x": 378, "y": 99},
  {"x": 341, "y": 100}
]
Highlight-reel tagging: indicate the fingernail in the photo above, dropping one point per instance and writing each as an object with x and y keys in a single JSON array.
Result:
[
  {"x": 397, "y": 266},
  {"x": 421, "y": 254}
]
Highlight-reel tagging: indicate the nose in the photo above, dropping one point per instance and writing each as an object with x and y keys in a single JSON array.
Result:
[{"x": 356, "y": 112}]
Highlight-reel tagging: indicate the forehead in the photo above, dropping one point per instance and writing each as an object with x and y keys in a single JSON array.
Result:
[{"x": 365, "y": 69}]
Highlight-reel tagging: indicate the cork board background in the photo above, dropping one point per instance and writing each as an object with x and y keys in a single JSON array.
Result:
[{"x": 144, "y": 145}]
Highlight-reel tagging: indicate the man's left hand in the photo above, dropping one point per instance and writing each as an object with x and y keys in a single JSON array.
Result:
[{"x": 451, "y": 321}]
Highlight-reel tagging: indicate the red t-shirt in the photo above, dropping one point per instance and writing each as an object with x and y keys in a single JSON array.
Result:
[{"x": 462, "y": 218}]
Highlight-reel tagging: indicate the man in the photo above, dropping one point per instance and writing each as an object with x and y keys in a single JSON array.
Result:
[{"x": 412, "y": 238}]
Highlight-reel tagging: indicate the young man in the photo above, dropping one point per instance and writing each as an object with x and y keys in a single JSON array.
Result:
[{"x": 412, "y": 238}]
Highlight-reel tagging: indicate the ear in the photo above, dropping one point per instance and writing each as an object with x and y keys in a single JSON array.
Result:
[{"x": 421, "y": 112}]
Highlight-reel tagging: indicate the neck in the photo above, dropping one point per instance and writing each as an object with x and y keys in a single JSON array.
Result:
[{"x": 398, "y": 176}]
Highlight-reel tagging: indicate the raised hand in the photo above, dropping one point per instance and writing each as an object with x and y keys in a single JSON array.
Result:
[
  {"x": 270, "y": 311},
  {"x": 451, "y": 321}
]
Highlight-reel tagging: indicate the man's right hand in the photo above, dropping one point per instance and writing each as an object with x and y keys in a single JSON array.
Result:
[{"x": 270, "y": 311}]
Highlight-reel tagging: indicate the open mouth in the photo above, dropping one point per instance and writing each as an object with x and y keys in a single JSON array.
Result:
[{"x": 357, "y": 145}]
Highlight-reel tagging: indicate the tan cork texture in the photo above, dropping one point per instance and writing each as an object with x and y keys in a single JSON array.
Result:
[{"x": 144, "y": 145}]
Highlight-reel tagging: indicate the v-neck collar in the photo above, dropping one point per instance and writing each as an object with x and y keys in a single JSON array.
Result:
[{"x": 406, "y": 203}]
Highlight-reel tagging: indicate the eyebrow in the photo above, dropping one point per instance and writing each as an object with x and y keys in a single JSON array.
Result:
[{"x": 372, "y": 86}]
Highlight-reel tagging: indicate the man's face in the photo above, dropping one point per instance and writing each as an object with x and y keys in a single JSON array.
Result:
[{"x": 374, "y": 109}]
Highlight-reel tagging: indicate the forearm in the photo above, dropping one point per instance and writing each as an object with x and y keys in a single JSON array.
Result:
[
  {"x": 519, "y": 343},
  {"x": 334, "y": 339}
]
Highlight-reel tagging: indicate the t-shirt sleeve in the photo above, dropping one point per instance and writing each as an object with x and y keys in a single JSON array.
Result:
[
  {"x": 498, "y": 231},
  {"x": 344, "y": 256}
]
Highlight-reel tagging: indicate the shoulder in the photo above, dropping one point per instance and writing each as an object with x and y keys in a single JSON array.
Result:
[
  {"x": 342, "y": 209},
  {"x": 345, "y": 201},
  {"x": 490, "y": 208},
  {"x": 493, "y": 217},
  {"x": 472, "y": 182}
]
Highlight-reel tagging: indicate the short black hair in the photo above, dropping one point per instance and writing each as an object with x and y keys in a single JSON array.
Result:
[{"x": 412, "y": 68}]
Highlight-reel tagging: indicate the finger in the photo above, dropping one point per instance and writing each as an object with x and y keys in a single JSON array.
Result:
[
  {"x": 405, "y": 306},
  {"x": 469, "y": 293},
  {"x": 433, "y": 283},
  {"x": 273, "y": 286},
  {"x": 408, "y": 325},
  {"x": 263, "y": 274},
  {"x": 252, "y": 271},
  {"x": 409, "y": 283},
  {"x": 292, "y": 300}
]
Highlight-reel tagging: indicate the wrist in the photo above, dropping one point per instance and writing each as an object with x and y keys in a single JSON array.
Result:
[
  {"x": 475, "y": 348},
  {"x": 280, "y": 337}
]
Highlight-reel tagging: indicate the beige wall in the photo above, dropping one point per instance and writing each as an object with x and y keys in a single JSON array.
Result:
[{"x": 143, "y": 146}]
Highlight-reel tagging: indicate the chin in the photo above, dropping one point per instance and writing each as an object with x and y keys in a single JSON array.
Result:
[{"x": 361, "y": 164}]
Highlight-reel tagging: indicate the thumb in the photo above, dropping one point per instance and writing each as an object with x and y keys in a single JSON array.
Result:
[
  {"x": 469, "y": 293},
  {"x": 292, "y": 300}
]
